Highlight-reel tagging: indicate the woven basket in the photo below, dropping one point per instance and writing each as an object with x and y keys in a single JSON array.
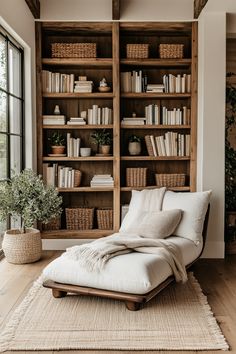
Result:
[
  {"x": 170, "y": 180},
  {"x": 74, "y": 50},
  {"x": 105, "y": 218},
  {"x": 172, "y": 51},
  {"x": 136, "y": 177},
  {"x": 54, "y": 224},
  {"x": 80, "y": 218},
  {"x": 137, "y": 51},
  {"x": 77, "y": 180},
  {"x": 22, "y": 248}
]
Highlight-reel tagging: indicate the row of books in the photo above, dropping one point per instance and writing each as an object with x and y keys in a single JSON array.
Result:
[
  {"x": 73, "y": 146},
  {"x": 133, "y": 81},
  {"x": 169, "y": 144},
  {"x": 102, "y": 181},
  {"x": 59, "y": 176},
  {"x": 176, "y": 116},
  {"x": 100, "y": 115},
  {"x": 177, "y": 83},
  {"x": 57, "y": 82}
]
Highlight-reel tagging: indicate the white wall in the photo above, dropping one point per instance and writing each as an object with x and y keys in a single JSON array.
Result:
[
  {"x": 17, "y": 19},
  {"x": 131, "y": 10}
]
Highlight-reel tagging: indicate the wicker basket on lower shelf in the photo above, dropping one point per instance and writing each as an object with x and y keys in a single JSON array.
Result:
[
  {"x": 54, "y": 224},
  {"x": 74, "y": 50},
  {"x": 170, "y": 179},
  {"x": 171, "y": 51},
  {"x": 105, "y": 218},
  {"x": 137, "y": 51},
  {"x": 80, "y": 218},
  {"x": 136, "y": 177}
]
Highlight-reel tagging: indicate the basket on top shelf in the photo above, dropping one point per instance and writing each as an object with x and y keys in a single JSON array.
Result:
[
  {"x": 171, "y": 51},
  {"x": 74, "y": 50},
  {"x": 170, "y": 179},
  {"x": 105, "y": 218},
  {"x": 136, "y": 177},
  {"x": 137, "y": 51},
  {"x": 80, "y": 218}
]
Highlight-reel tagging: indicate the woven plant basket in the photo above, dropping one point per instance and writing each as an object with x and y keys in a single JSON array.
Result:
[
  {"x": 170, "y": 180},
  {"x": 79, "y": 218},
  {"x": 137, "y": 51},
  {"x": 136, "y": 177},
  {"x": 22, "y": 248},
  {"x": 105, "y": 218},
  {"x": 78, "y": 176},
  {"x": 74, "y": 50},
  {"x": 171, "y": 51},
  {"x": 54, "y": 224}
]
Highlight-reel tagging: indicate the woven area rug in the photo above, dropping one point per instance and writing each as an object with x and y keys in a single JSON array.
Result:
[{"x": 179, "y": 318}]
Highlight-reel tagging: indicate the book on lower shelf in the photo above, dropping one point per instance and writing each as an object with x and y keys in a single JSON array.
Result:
[
  {"x": 76, "y": 121},
  {"x": 73, "y": 146},
  {"x": 102, "y": 181},
  {"x": 60, "y": 176},
  {"x": 169, "y": 144}
]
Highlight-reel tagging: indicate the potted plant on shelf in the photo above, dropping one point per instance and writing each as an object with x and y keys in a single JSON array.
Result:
[
  {"x": 57, "y": 143},
  {"x": 103, "y": 140},
  {"x": 134, "y": 145},
  {"x": 28, "y": 199}
]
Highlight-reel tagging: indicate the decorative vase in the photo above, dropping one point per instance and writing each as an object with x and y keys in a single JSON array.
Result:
[
  {"x": 134, "y": 148},
  {"x": 22, "y": 248},
  {"x": 58, "y": 150},
  {"x": 104, "y": 149}
]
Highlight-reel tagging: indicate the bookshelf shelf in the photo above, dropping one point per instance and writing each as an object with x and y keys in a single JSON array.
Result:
[
  {"x": 175, "y": 189},
  {"x": 76, "y": 127},
  {"x": 79, "y": 95},
  {"x": 160, "y": 158},
  {"x": 90, "y": 158},
  {"x": 155, "y": 126},
  {"x": 157, "y": 62},
  {"x": 111, "y": 39},
  {"x": 99, "y": 62}
]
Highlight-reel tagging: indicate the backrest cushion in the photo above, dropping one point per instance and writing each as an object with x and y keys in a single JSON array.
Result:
[
  {"x": 194, "y": 207},
  {"x": 157, "y": 224}
]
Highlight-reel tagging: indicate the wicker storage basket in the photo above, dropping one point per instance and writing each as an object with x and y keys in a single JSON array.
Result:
[
  {"x": 172, "y": 51},
  {"x": 22, "y": 248},
  {"x": 54, "y": 224},
  {"x": 77, "y": 180},
  {"x": 74, "y": 50},
  {"x": 136, "y": 177},
  {"x": 170, "y": 180},
  {"x": 137, "y": 51},
  {"x": 80, "y": 218},
  {"x": 105, "y": 218}
]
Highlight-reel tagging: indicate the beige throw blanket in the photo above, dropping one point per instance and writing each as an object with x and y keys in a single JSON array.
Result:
[{"x": 94, "y": 256}]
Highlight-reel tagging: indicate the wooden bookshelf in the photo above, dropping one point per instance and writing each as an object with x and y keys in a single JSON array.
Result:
[{"x": 111, "y": 39}]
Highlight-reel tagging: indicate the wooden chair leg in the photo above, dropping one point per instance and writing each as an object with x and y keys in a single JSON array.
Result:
[
  {"x": 58, "y": 293},
  {"x": 132, "y": 306}
]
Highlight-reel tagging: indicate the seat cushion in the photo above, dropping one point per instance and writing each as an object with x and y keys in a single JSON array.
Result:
[{"x": 135, "y": 273}]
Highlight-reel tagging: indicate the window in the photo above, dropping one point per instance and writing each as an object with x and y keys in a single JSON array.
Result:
[{"x": 11, "y": 108}]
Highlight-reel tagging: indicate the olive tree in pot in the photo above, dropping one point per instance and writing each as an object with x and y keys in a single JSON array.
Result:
[{"x": 25, "y": 196}]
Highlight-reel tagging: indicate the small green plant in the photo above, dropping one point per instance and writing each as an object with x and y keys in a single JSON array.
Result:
[
  {"x": 57, "y": 139},
  {"x": 135, "y": 139},
  {"x": 27, "y": 197},
  {"x": 101, "y": 137}
]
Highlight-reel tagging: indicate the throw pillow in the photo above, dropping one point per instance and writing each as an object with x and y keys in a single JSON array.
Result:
[
  {"x": 142, "y": 201},
  {"x": 160, "y": 224},
  {"x": 194, "y": 207}
]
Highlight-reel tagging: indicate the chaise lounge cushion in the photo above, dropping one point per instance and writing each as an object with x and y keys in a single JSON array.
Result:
[
  {"x": 135, "y": 273},
  {"x": 194, "y": 207}
]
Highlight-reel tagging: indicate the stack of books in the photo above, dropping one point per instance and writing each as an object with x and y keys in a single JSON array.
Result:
[
  {"x": 133, "y": 82},
  {"x": 100, "y": 115},
  {"x": 54, "y": 119},
  {"x": 73, "y": 146},
  {"x": 133, "y": 121},
  {"x": 57, "y": 82},
  {"x": 102, "y": 181},
  {"x": 155, "y": 88},
  {"x": 171, "y": 144},
  {"x": 152, "y": 114},
  {"x": 76, "y": 121},
  {"x": 176, "y": 116},
  {"x": 83, "y": 85},
  {"x": 177, "y": 84}
]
